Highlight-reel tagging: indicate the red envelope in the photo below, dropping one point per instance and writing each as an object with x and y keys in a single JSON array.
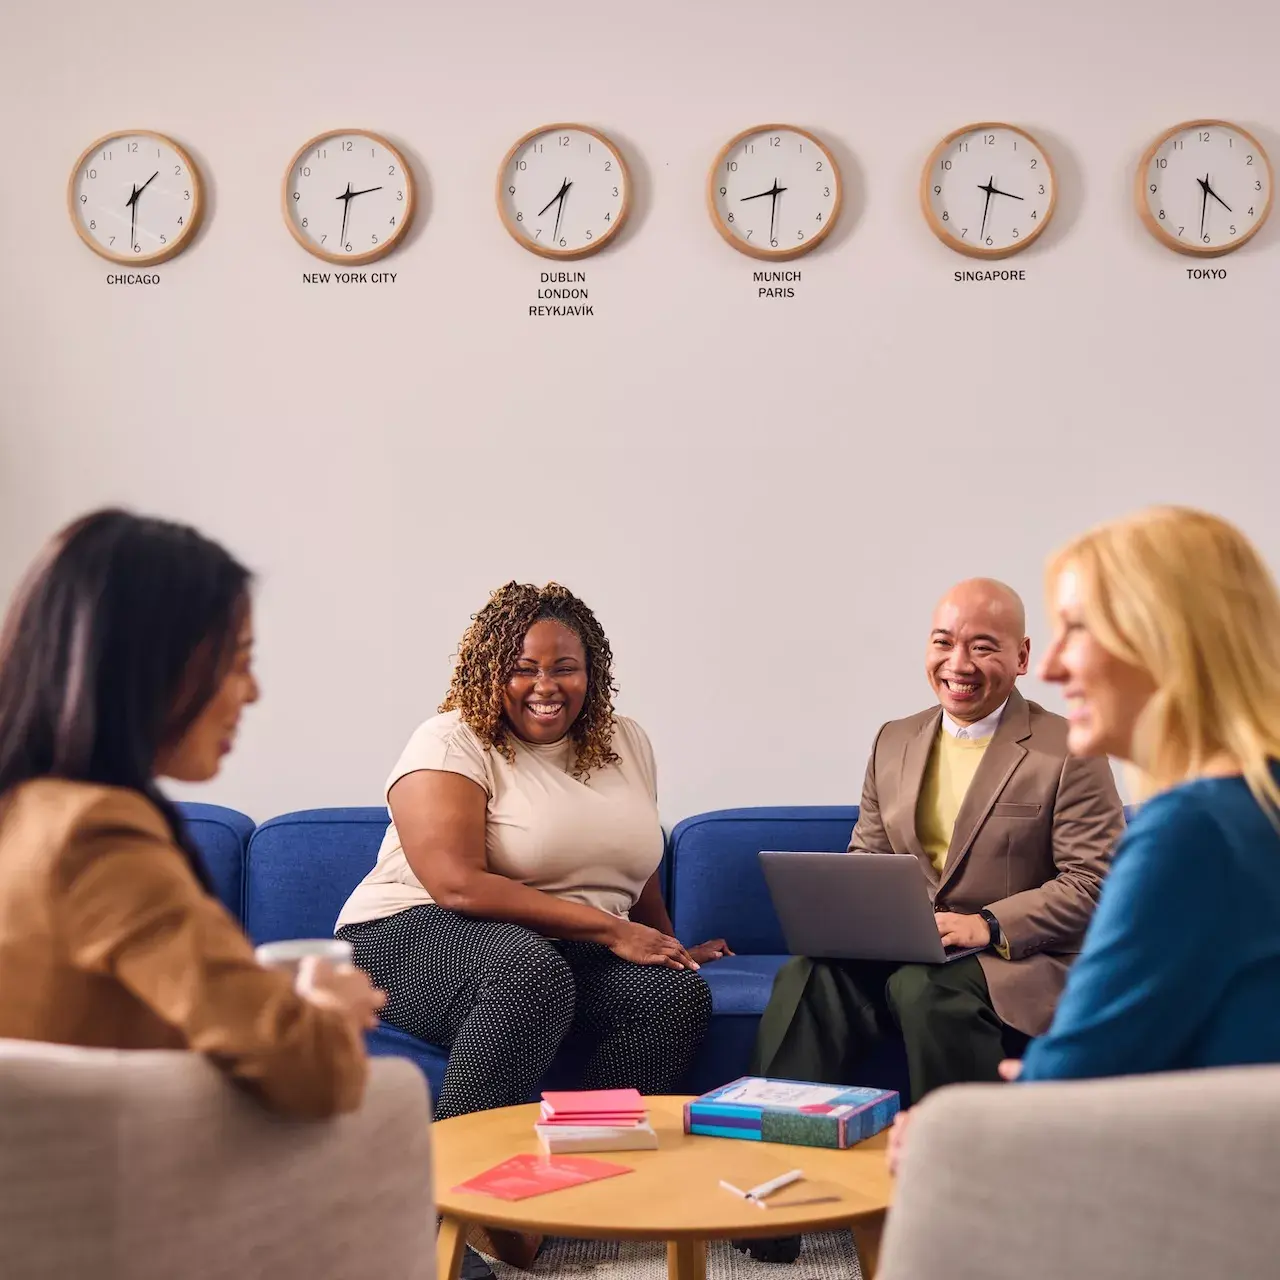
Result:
[{"x": 534, "y": 1175}]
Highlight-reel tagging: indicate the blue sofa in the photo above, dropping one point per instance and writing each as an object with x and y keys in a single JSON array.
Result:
[{"x": 289, "y": 877}]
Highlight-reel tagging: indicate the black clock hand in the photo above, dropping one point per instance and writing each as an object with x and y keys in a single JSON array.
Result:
[
  {"x": 995, "y": 191},
  {"x": 146, "y": 184},
  {"x": 132, "y": 205},
  {"x": 773, "y": 209},
  {"x": 1204, "y": 200},
  {"x": 345, "y": 197},
  {"x": 365, "y": 192},
  {"x": 990, "y": 189},
  {"x": 564, "y": 194},
  {"x": 1218, "y": 198}
]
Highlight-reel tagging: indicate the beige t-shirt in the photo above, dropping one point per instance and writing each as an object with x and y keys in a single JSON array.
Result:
[{"x": 595, "y": 842}]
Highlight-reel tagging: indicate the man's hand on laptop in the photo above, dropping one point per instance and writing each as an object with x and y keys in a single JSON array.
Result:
[{"x": 956, "y": 930}]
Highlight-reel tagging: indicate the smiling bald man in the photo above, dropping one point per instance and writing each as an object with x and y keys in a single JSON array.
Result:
[{"x": 1014, "y": 837}]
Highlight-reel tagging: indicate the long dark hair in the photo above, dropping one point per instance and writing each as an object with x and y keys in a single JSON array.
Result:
[{"x": 115, "y": 642}]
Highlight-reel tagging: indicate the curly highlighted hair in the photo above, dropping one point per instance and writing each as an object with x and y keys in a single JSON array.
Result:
[{"x": 488, "y": 654}]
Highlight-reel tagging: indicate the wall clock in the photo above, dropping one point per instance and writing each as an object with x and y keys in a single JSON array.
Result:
[
  {"x": 564, "y": 191},
  {"x": 136, "y": 196},
  {"x": 348, "y": 196},
  {"x": 774, "y": 192},
  {"x": 988, "y": 190},
  {"x": 1204, "y": 187}
]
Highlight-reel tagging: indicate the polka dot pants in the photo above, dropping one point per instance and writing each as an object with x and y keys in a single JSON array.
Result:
[{"x": 502, "y": 998}]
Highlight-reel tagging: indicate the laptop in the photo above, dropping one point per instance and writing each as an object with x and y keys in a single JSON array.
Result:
[{"x": 856, "y": 906}]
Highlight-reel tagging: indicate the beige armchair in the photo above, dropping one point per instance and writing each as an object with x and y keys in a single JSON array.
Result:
[
  {"x": 1167, "y": 1177},
  {"x": 152, "y": 1166}
]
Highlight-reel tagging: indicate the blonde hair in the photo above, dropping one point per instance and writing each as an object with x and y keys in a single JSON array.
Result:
[{"x": 1185, "y": 597}]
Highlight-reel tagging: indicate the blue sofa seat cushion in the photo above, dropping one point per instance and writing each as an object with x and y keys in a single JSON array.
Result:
[
  {"x": 741, "y": 985},
  {"x": 221, "y": 837},
  {"x": 717, "y": 887}
]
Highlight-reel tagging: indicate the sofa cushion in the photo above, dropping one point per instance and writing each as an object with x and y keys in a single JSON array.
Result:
[
  {"x": 221, "y": 837},
  {"x": 717, "y": 887},
  {"x": 301, "y": 867}
]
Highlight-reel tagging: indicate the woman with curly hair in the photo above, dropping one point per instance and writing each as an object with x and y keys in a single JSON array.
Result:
[{"x": 515, "y": 895}]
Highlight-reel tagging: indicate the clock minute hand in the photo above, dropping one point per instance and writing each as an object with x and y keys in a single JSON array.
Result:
[
  {"x": 1204, "y": 200},
  {"x": 132, "y": 205},
  {"x": 990, "y": 189},
  {"x": 345, "y": 197},
  {"x": 146, "y": 184}
]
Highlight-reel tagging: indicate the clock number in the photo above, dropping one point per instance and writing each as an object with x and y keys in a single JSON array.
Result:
[
  {"x": 946, "y": 217},
  {"x": 818, "y": 218},
  {"x": 1177, "y": 146},
  {"x": 724, "y": 191},
  {"x": 390, "y": 170},
  {"x": 732, "y": 166},
  {"x": 538, "y": 234},
  {"x": 773, "y": 244},
  {"x": 511, "y": 191},
  {"x": 964, "y": 146},
  {"x": 322, "y": 153},
  {"x": 323, "y": 239},
  {"x": 564, "y": 139},
  {"x": 522, "y": 164},
  {"x": 563, "y": 242},
  {"x": 1161, "y": 215},
  {"x": 131, "y": 148},
  {"x": 1181, "y": 230},
  {"x": 1205, "y": 238},
  {"x": 818, "y": 167},
  {"x": 305, "y": 223},
  {"x": 1161, "y": 162},
  {"x": 180, "y": 222},
  {"x": 1035, "y": 213},
  {"x": 164, "y": 240},
  {"x": 348, "y": 145},
  {"x": 731, "y": 217},
  {"x": 1152, "y": 188},
  {"x": 91, "y": 173},
  {"x": 186, "y": 195},
  {"x": 1204, "y": 137},
  {"x": 946, "y": 164},
  {"x": 608, "y": 217},
  {"x": 399, "y": 195},
  {"x": 93, "y": 226},
  {"x": 519, "y": 217},
  {"x": 375, "y": 239},
  {"x": 84, "y": 199},
  {"x": 297, "y": 195},
  {"x": 1015, "y": 233},
  {"x": 608, "y": 166},
  {"x": 1248, "y": 159},
  {"x": 1257, "y": 186},
  {"x": 177, "y": 170},
  {"x": 137, "y": 248},
  {"x": 1231, "y": 229},
  {"x": 964, "y": 231},
  {"x": 1042, "y": 188},
  {"x": 989, "y": 139},
  {"x": 305, "y": 170},
  {"x": 1251, "y": 211},
  {"x": 588, "y": 235},
  {"x": 826, "y": 191},
  {"x": 393, "y": 222},
  {"x": 775, "y": 141},
  {"x": 989, "y": 241},
  {"x": 1035, "y": 164},
  {"x": 347, "y": 247},
  {"x": 799, "y": 235},
  {"x": 111, "y": 241},
  {"x": 615, "y": 191},
  {"x": 748, "y": 235}
]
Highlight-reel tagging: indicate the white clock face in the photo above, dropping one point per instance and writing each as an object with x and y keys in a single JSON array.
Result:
[
  {"x": 564, "y": 191},
  {"x": 775, "y": 192},
  {"x": 988, "y": 190},
  {"x": 348, "y": 196},
  {"x": 136, "y": 197},
  {"x": 1205, "y": 187}
]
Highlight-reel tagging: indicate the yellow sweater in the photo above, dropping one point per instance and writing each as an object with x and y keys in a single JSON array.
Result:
[{"x": 952, "y": 764}]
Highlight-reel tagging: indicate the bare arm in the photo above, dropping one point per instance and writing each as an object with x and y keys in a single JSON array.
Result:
[
  {"x": 650, "y": 908},
  {"x": 440, "y": 818}
]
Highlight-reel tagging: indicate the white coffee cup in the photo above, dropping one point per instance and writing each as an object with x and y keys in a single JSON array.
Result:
[{"x": 289, "y": 953}]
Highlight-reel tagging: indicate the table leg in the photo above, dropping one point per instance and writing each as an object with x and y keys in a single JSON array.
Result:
[
  {"x": 451, "y": 1243},
  {"x": 866, "y": 1239},
  {"x": 686, "y": 1260}
]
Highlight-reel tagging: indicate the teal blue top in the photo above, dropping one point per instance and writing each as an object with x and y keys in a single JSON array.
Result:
[{"x": 1180, "y": 967}]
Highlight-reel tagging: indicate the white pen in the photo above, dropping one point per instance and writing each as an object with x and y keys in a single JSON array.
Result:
[{"x": 757, "y": 1194}]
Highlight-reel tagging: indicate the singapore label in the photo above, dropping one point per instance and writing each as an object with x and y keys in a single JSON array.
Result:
[{"x": 990, "y": 276}]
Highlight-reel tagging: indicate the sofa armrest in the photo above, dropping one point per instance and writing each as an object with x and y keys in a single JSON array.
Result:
[
  {"x": 151, "y": 1165},
  {"x": 1171, "y": 1176}
]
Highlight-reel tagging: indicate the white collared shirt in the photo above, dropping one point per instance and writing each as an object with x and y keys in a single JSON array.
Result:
[{"x": 975, "y": 732}]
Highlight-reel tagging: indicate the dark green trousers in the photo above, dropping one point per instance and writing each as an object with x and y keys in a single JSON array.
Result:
[{"x": 825, "y": 1016}]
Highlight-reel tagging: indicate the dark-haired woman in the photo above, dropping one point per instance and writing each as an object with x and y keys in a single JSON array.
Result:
[
  {"x": 126, "y": 656},
  {"x": 515, "y": 894}
]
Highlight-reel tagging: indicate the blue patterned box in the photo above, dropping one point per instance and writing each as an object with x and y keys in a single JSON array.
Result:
[{"x": 791, "y": 1111}]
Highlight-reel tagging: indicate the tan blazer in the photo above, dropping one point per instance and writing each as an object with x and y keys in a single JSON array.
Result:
[
  {"x": 107, "y": 940},
  {"x": 1032, "y": 843}
]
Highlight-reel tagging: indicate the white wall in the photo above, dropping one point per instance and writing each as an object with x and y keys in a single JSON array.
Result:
[{"x": 760, "y": 499}]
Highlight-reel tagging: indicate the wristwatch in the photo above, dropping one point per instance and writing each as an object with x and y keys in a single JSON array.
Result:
[{"x": 997, "y": 937}]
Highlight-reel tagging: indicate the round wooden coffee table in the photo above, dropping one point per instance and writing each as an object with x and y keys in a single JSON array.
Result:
[{"x": 673, "y": 1194}]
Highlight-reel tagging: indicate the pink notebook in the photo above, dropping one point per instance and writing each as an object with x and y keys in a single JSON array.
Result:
[
  {"x": 612, "y": 1103},
  {"x": 525, "y": 1176}
]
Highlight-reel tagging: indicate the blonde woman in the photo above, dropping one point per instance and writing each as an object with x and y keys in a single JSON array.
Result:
[{"x": 1167, "y": 649}]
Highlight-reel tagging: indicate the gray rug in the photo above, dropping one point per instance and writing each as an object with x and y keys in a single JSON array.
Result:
[{"x": 825, "y": 1256}]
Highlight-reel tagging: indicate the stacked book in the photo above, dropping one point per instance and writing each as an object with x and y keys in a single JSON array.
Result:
[{"x": 595, "y": 1120}]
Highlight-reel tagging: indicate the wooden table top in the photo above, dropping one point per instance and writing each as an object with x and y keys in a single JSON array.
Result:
[{"x": 673, "y": 1192}]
